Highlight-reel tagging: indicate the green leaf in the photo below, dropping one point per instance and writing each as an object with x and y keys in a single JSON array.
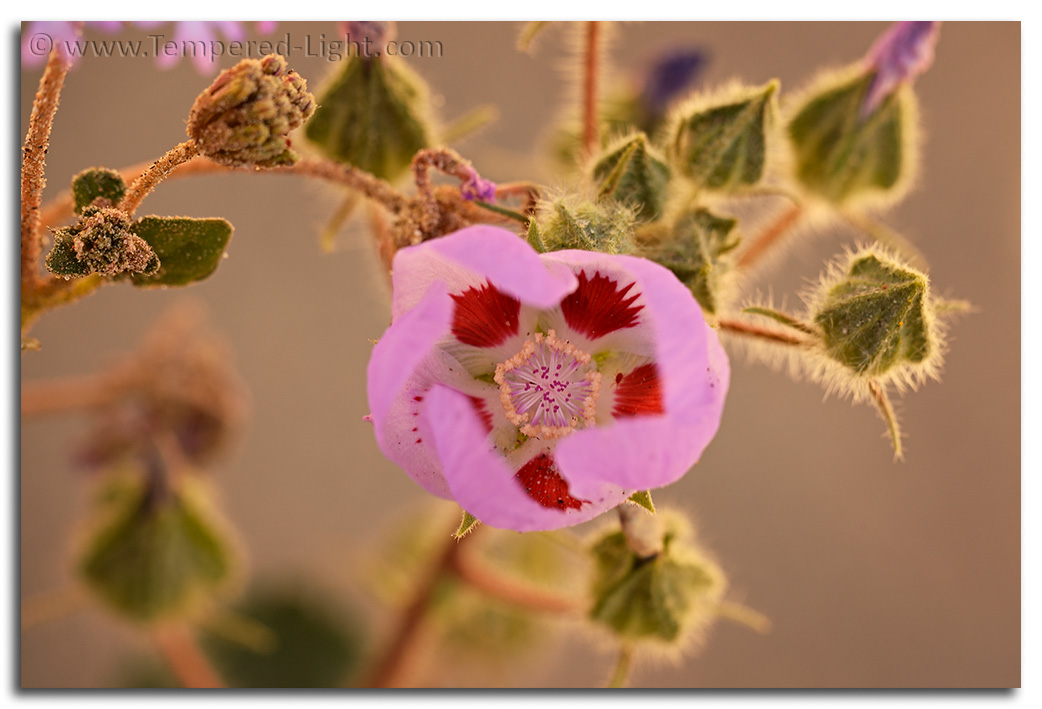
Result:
[
  {"x": 724, "y": 147},
  {"x": 157, "y": 554},
  {"x": 189, "y": 250},
  {"x": 695, "y": 248},
  {"x": 468, "y": 523},
  {"x": 841, "y": 155},
  {"x": 874, "y": 318},
  {"x": 643, "y": 498},
  {"x": 634, "y": 174},
  {"x": 373, "y": 116},
  {"x": 97, "y": 182},
  {"x": 316, "y": 643}
]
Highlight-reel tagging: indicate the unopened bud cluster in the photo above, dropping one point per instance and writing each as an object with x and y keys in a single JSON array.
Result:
[
  {"x": 101, "y": 242},
  {"x": 244, "y": 118}
]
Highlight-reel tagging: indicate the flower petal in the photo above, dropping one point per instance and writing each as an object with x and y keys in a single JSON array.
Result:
[
  {"x": 403, "y": 349},
  {"x": 473, "y": 257},
  {"x": 646, "y": 451},
  {"x": 483, "y": 484}
]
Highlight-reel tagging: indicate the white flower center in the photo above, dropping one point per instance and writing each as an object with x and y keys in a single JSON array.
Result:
[{"x": 548, "y": 387}]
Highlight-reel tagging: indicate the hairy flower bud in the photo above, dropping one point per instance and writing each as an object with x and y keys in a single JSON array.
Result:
[
  {"x": 664, "y": 598},
  {"x": 246, "y": 115},
  {"x": 102, "y": 242},
  {"x": 566, "y": 224},
  {"x": 876, "y": 318}
]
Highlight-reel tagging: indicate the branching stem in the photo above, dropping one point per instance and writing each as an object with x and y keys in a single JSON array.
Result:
[{"x": 770, "y": 236}]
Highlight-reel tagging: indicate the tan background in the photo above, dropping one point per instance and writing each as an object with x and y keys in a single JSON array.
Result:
[{"x": 875, "y": 574}]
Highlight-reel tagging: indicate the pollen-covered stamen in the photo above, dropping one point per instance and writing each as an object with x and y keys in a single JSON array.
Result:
[{"x": 548, "y": 387}]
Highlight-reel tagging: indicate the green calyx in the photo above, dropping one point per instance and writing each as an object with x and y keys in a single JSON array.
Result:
[
  {"x": 604, "y": 226},
  {"x": 372, "y": 115},
  {"x": 876, "y": 317},
  {"x": 696, "y": 246},
  {"x": 843, "y": 156},
  {"x": 724, "y": 147},
  {"x": 632, "y": 173},
  {"x": 657, "y": 599},
  {"x": 158, "y": 552}
]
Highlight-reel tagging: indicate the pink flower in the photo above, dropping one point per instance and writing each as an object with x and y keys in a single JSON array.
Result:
[
  {"x": 39, "y": 38},
  {"x": 539, "y": 391}
]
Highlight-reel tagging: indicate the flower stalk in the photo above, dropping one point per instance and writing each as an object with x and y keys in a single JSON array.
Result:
[{"x": 34, "y": 152}]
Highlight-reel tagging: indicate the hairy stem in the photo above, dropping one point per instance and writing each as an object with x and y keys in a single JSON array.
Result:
[
  {"x": 62, "y": 395},
  {"x": 34, "y": 153},
  {"x": 181, "y": 651},
  {"x": 886, "y": 410},
  {"x": 52, "y": 605},
  {"x": 392, "y": 668},
  {"x": 740, "y": 327},
  {"x": 591, "y": 68},
  {"x": 156, "y": 173},
  {"x": 620, "y": 674},
  {"x": 482, "y": 579},
  {"x": 770, "y": 236}
]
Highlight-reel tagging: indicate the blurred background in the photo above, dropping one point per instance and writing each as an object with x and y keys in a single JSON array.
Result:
[{"x": 874, "y": 573}]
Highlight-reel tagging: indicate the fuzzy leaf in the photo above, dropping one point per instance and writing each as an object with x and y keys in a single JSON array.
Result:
[
  {"x": 725, "y": 147},
  {"x": 97, "y": 182},
  {"x": 189, "y": 250}
]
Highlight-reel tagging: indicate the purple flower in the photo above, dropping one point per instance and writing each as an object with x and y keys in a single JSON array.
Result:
[
  {"x": 672, "y": 74},
  {"x": 900, "y": 54},
  {"x": 40, "y": 37},
  {"x": 539, "y": 391},
  {"x": 476, "y": 187}
]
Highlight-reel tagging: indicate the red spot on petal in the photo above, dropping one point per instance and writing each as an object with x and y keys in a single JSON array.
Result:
[
  {"x": 417, "y": 398},
  {"x": 541, "y": 482},
  {"x": 484, "y": 413},
  {"x": 598, "y": 306},
  {"x": 484, "y": 317},
  {"x": 639, "y": 392}
]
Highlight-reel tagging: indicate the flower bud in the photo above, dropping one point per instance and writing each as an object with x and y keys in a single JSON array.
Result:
[
  {"x": 101, "y": 242},
  {"x": 854, "y": 133},
  {"x": 898, "y": 56},
  {"x": 877, "y": 319},
  {"x": 567, "y": 224},
  {"x": 373, "y": 114},
  {"x": 245, "y": 117},
  {"x": 695, "y": 246},
  {"x": 665, "y": 598},
  {"x": 632, "y": 173}
]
